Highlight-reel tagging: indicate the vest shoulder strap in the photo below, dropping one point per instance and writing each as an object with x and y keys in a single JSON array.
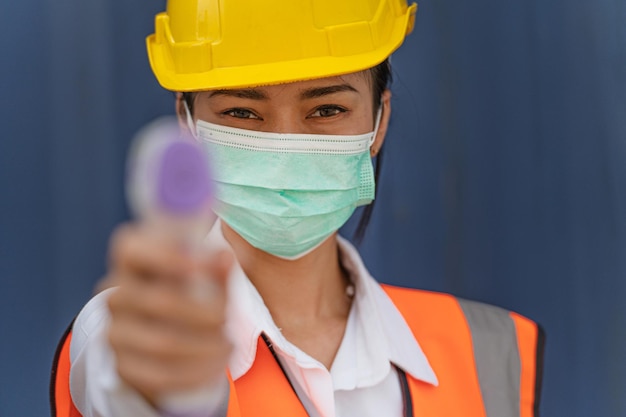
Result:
[
  {"x": 61, "y": 404},
  {"x": 264, "y": 390}
]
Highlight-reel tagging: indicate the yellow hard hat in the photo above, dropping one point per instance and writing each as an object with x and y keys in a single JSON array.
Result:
[{"x": 217, "y": 44}]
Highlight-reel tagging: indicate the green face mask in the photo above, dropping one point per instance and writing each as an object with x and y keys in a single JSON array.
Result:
[{"x": 286, "y": 193}]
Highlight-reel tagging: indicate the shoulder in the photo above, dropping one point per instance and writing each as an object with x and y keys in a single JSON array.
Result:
[
  {"x": 434, "y": 312},
  {"x": 91, "y": 320},
  {"x": 415, "y": 300}
]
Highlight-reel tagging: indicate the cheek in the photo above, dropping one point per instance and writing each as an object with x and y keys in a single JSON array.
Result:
[
  {"x": 362, "y": 119},
  {"x": 353, "y": 122},
  {"x": 366, "y": 121}
]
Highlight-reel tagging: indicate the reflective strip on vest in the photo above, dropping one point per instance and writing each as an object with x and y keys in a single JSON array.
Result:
[{"x": 497, "y": 357}]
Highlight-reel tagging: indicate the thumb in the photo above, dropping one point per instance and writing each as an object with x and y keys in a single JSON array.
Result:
[
  {"x": 210, "y": 280},
  {"x": 219, "y": 266}
]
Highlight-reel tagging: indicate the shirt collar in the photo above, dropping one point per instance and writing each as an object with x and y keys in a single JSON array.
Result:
[
  {"x": 373, "y": 315},
  {"x": 383, "y": 336}
]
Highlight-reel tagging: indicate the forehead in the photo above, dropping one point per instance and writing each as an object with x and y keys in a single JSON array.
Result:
[{"x": 358, "y": 83}]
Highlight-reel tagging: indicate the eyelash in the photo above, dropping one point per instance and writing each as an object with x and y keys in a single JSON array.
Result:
[
  {"x": 233, "y": 112},
  {"x": 336, "y": 109}
]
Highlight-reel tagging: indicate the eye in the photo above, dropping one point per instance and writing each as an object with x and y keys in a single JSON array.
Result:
[
  {"x": 327, "y": 111},
  {"x": 240, "y": 114}
]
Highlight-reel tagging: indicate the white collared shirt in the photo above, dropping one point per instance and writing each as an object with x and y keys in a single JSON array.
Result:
[{"x": 361, "y": 381}]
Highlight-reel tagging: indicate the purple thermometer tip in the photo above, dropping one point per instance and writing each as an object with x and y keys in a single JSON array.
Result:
[{"x": 184, "y": 183}]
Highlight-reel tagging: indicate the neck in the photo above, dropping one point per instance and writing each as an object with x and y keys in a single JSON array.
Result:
[{"x": 299, "y": 292}]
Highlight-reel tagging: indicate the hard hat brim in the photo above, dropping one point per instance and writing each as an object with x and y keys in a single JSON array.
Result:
[{"x": 273, "y": 72}]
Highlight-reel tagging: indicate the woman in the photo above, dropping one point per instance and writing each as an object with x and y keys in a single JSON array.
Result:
[{"x": 290, "y": 100}]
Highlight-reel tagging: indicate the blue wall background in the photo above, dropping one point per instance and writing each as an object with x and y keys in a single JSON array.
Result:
[{"x": 504, "y": 178}]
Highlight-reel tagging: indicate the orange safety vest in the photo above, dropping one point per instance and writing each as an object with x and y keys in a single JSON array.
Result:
[{"x": 488, "y": 362}]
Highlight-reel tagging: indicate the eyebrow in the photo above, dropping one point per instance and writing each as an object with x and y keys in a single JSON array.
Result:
[
  {"x": 316, "y": 92},
  {"x": 249, "y": 93},
  {"x": 309, "y": 93}
]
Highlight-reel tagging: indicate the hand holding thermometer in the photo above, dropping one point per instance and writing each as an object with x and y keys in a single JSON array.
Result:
[{"x": 170, "y": 192}]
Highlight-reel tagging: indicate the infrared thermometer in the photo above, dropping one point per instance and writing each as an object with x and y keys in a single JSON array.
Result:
[
  {"x": 169, "y": 184},
  {"x": 169, "y": 190}
]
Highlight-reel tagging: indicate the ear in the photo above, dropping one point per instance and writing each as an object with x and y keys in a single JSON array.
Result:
[
  {"x": 181, "y": 114},
  {"x": 385, "y": 104}
]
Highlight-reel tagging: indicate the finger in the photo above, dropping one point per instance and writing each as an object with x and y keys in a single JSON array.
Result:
[
  {"x": 168, "y": 344},
  {"x": 217, "y": 268},
  {"x": 207, "y": 283},
  {"x": 134, "y": 252},
  {"x": 222, "y": 265},
  {"x": 154, "y": 303},
  {"x": 158, "y": 377},
  {"x": 156, "y": 358}
]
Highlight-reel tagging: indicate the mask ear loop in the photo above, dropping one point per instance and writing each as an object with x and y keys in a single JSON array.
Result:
[
  {"x": 376, "y": 126},
  {"x": 190, "y": 124}
]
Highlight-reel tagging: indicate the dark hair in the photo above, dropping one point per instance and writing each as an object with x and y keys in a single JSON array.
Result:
[{"x": 380, "y": 78}]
